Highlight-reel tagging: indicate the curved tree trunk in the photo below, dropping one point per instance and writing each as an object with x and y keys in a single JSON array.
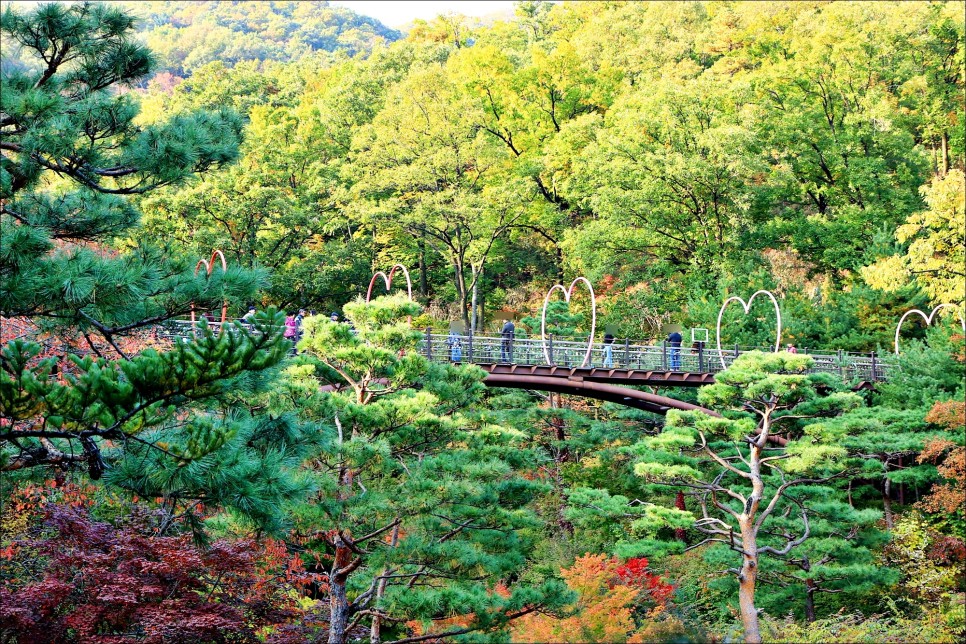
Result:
[{"x": 746, "y": 581}]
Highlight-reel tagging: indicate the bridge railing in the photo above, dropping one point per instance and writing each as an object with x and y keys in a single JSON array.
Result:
[{"x": 570, "y": 352}]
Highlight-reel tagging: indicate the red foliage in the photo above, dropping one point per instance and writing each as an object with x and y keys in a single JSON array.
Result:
[
  {"x": 947, "y": 550},
  {"x": 634, "y": 573},
  {"x": 110, "y": 585}
]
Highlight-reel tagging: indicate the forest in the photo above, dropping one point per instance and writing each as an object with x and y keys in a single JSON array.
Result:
[{"x": 167, "y": 479}]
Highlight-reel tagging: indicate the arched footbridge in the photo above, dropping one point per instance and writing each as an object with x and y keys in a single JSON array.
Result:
[
  {"x": 555, "y": 365},
  {"x": 585, "y": 367}
]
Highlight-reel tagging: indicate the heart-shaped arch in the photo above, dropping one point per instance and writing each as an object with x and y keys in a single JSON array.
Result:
[
  {"x": 747, "y": 307},
  {"x": 929, "y": 318},
  {"x": 567, "y": 293},
  {"x": 388, "y": 280},
  {"x": 209, "y": 265}
]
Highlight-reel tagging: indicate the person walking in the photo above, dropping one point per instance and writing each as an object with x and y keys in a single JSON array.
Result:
[
  {"x": 674, "y": 341},
  {"x": 791, "y": 348},
  {"x": 608, "y": 351},
  {"x": 291, "y": 331},
  {"x": 507, "y": 334}
]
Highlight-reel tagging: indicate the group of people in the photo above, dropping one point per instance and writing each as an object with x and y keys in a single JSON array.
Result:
[
  {"x": 293, "y": 323},
  {"x": 507, "y": 335},
  {"x": 454, "y": 343}
]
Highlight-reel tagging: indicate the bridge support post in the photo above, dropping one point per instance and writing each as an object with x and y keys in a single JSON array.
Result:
[
  {"x": 627, "y": 353},
  {"x": 469, "y": 348},
  {"x": 429, "y": 343},
  {"x": 701, "y": 357},
  {"x": 550, "y": 349},
  {"x": 841, "y": 366},
  {"x": 873, "y": 367},
  {"x": 664, "y": 355}
]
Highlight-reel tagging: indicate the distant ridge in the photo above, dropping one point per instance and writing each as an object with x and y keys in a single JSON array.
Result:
[{"x": 187, "y": 35}]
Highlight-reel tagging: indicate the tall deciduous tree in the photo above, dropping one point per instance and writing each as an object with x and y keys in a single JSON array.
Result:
[
  {"x": 425, "y": 169},
  {"x": 936, "y": 245}
]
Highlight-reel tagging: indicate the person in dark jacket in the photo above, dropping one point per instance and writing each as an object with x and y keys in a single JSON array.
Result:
[
  {"x": 506, "y": 343},
  {"x": 674, "y": 341}
]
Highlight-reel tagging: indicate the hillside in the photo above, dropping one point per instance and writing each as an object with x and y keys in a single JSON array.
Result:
[{"x": 188, "y": 35}]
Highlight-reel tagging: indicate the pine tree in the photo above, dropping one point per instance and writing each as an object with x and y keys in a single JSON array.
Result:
[
  {"x": 80, "y": 386},
  {"x": 419, "y": 512},
  {"x": 738, "y": 467}
]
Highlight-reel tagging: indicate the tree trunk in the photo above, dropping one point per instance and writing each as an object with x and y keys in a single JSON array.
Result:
[
  {"x": 679, "y": 533},
  {"x": 338, "y": 601},
  {"x": 809, "y": 600},
  {"x": 886, "y": 492},
  {"x": 423, "y": 279},
  {"x": 374, "y": 635},
  {"x": 461, "y": 293},
  {"x": 887, "y": 504},
  {"x": 473, "y": 302},
  {"x": 945, "y": 152},
  {"x": 902, "y": 488},
  {"x": 746, "y": 580},
  {"x": 810, "y": 588}
]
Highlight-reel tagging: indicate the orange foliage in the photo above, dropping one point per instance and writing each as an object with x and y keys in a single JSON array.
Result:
[
  {"x": 948, "y": 496},
  {"x": 61, "y": 344},
  {"x": 960, "y": 340},
  {"x": 607, "y": 593},
  {"x": 950, "y": 414}
]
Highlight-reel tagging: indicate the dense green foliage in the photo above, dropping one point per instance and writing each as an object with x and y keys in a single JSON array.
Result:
[
  {"x": 742, "y": 148},
  {"x": 343, "y": 486}
]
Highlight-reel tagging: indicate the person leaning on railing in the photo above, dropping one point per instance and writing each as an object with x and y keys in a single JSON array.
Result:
[{"x": 506, "y": 341}]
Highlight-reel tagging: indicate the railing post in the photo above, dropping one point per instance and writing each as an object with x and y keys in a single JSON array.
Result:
[
  {"x": 429, "y": 343},
  {"x": 664, "y": 355},
  {"x": 550, "y": 351},
  {"x": 627, "y": 353},
  {"x": 873, "y": 367},
  {"x": 701, "y": 357},
  {"x": 841, "y": 366}
]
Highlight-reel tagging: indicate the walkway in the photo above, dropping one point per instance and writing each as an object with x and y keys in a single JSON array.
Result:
[{"x": 528, "y": 367}]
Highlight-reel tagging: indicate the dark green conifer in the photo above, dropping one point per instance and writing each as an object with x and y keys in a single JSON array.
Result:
[
  {"x": 420, "y": 512},
  {"x": 79, "y": 387}
]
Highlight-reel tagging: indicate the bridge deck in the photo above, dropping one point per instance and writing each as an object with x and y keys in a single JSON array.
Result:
[{"x": 628, "y": 362}]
